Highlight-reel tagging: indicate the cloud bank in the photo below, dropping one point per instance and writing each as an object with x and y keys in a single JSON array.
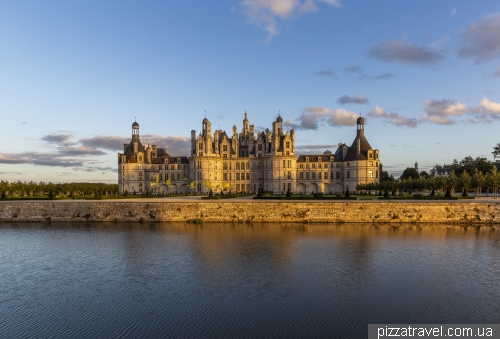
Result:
[
  {"x": 357, "y": 99},
  {"x": 405, "y": 52},
  {"x": 312, "y": 117},
  {"x": 481, "y": 40}
]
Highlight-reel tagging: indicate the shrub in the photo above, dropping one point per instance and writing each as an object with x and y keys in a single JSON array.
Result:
[
  {"x": 433, "y": 193},
  {"x": 288, "y": 193},
  {"x": 51, "y": 195},
  {"x": 318, "y": 195},
  {"x": 448, "y": 193},
  {"x": 210, "y": 194},
  {"x": 386, "y": 193},
  {"x": 347, "y": 195},
  {"x": 3, "y": 195}
]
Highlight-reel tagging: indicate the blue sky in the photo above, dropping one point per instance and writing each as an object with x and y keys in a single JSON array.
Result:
[{"x": 74, "y": 75}]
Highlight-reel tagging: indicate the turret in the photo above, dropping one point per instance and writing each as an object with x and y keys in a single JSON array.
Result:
[{"x": 193, "y": 141}]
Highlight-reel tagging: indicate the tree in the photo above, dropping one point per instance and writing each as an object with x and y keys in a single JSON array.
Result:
[
  {"x": 3, "y": 195},
  {"x": 465, "y": 181},
  {"x": 478, "y": 181},
  {"x": 453, "y": 182},
  {"x": 210, "y": 194},
  {"x": 424, "y": 175},
  {"x": 496, "y": 151},
  {"x": 410, "y": 172}
]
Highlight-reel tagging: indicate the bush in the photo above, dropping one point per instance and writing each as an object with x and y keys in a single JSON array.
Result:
[
  {"x": 3, "y": 195},
  {"x": 318, "y": 195},
  {"x": 51, "y": 195},
  {"x": 210, "y": 194},
  {"x": 433, "y": 193},
  {"x": 418, "y": 196},
  {"x": 386, "y": 193},
  {"x": 347, "y": 195},
  {"x": 288, "y": 193}
]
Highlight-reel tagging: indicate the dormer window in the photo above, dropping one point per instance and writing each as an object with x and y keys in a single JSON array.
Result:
[
  {"x": 307, "y": 158},
  {"x": 224, "y": 148},
  {"x": 319, "y": 159}
]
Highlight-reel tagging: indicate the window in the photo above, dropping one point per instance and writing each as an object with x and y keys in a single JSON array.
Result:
[
  {"x": 237, "y": 165},
  {"x": 288, "y": 144},
  {"x": 200, "y": 146},
  {"x": 370, "y": 174},
  {"x": 224, "y": 176},
  {"x": 307, "y": 165},
  {"x": 237, "y": 176},
  {"x": 289, "y": 175},
  {"x": 230, "y": 176},
  {"x": 325, "y": 175},
  {"x": 172, "y": 167},
  {"x": 307, "y": 175},
  {"x": 166, "y": 176},
  {"x": 199, "y": 176},
  {"x": 337, "y": 165},
  {"x": 348, "y": 174},
  {"x": 259, "y": 147},
  {"x": 347, "y": 164},
  {"x": 370, "y": 163},
  {"x": 313, "y": 175},
  {"x": 284, "y": 163},
  {"x": 248, "y": 176},
  {"x": 331, "y": 175},
  {"x": 237, "y": 187},
  {"x": 376, "y": 173},
  {"x": 178, "y": 176},
  {"x": 301, "y": 166},
  {"x": 224, "y": 165},
  {"x": 313, "y": 165},
  {"x": 224, "y": 148},
  {"x": 224, "y": 156},
  {"x": 198, "y": 165},
  {"x": 289, "y": 163},
  {"x": 376, "y": 164},
  {"x": 370, "y": 155},
  {"x": 325, "y": 166},
  {"x": 337, "y": 175},
  {"x": 301, "y": 175},
  {"x": 319, "y": 175}
]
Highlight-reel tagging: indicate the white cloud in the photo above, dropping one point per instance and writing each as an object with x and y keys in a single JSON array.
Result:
[
  {"x": 440, "y": 111},
  {"x": 454, "y": 11},
  {"x": 393, "y": 118},
  {"x": 490, "y": 106},
  {"x": 265, "y": 13}
]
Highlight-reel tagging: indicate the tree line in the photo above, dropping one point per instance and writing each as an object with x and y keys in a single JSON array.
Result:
[
  {"x": 479, "y": 174},
  {"x": 23, "y": 188}
]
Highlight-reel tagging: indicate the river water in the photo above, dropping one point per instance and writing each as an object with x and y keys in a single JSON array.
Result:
[{"x": 158, "y": 280}]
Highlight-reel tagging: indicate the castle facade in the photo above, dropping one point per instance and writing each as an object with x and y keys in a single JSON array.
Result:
[{"x": 246, "y": 162}]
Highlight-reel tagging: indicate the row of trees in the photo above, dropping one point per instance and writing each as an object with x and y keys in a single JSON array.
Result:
[
  {"x": 21, "y": 188},
  {"x": 478, "y": 181}
]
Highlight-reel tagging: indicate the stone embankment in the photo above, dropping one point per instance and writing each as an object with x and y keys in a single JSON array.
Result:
[{"x": 324, "y": 212}]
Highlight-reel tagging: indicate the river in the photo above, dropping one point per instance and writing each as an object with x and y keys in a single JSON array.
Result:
[{"x": 130, "y": 280}]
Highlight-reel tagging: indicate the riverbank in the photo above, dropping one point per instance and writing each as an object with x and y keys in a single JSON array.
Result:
[{"x": 247, "y": 210}]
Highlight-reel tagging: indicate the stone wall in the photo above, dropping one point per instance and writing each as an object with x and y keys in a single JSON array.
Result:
[{"x": 329, "y": 212}]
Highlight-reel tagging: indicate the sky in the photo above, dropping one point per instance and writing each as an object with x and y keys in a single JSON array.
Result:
[{"x": 75, "y": 75}]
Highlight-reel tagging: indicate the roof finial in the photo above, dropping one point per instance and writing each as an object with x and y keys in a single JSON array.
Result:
[
  {"x": 135, "y": 119},
  {"x": 205, "y": 114}
]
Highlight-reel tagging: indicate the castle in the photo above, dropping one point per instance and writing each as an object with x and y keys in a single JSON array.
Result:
[{"x": 245, "y": 162}]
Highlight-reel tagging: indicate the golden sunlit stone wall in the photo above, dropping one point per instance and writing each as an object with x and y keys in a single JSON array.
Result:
[{"x": 330, "y": 212}]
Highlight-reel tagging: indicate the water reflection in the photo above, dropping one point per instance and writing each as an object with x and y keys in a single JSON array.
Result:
[{"x": 242, "y": 280}]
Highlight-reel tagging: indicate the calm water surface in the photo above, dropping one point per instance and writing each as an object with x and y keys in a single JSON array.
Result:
[{"x": 227, "y": 281}]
